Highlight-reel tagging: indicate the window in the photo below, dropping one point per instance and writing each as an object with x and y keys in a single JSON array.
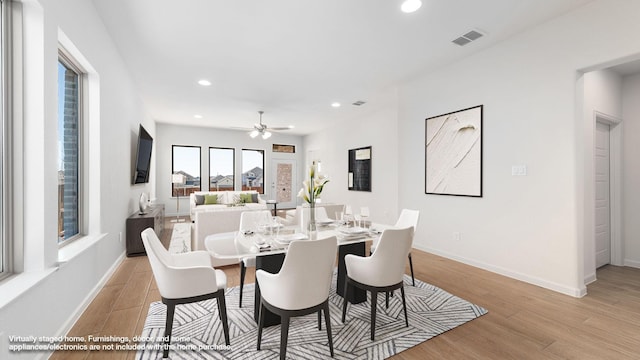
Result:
[
  {"x": 253, "y": 170},
  {"x": 221, "y": 169},
  {"x": 69, "y": 149},
  {"x": 185, "y": 161}
]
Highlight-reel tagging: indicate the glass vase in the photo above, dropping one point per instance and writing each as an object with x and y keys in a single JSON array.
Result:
[{"x": 312, "y": 217}]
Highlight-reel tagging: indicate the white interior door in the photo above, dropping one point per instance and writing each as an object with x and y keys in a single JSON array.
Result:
[
  {"x": 283, "y": 184},
  {"x": 603, "y": 208}
]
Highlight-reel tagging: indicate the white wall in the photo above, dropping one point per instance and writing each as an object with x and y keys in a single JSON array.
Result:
[
  {"x": 51, "y": 293},
  {"x": 529, "y": 227},
  {"x": 631, "y": 200},
  {"x": 376, "y": 126},
  {"x": 169, "y": 135}
]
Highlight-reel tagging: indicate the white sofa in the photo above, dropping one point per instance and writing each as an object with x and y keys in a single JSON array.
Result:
[
  {"x": 225, "y": 199},
  {"x": 219, "y": 218}
]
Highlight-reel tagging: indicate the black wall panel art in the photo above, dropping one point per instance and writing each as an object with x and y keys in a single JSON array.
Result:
[{"x": 360, "y": 169}]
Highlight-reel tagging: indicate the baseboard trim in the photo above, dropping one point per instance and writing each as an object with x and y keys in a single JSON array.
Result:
[
  {"x": 632, "y": 263},
  {"x": 563, "y": 289},
  {"x": 589, "y": 279}
]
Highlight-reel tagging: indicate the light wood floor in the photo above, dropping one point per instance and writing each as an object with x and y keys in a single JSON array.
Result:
[{"x": 524, "y": 321}]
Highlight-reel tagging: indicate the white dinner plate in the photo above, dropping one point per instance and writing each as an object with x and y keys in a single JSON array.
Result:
[
  {"x": 272, "y": 226},
  {"x": 352, "y": 230},
  {"x": 324, "y": 222},
  {"x": 291, "y": 237}
]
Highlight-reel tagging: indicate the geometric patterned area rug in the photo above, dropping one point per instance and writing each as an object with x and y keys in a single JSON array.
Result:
[{"x": 197, "y": 331}]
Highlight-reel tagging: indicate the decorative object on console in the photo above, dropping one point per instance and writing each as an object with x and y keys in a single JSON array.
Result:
[
  {"x": 453, "y": 153},
  {"x": 143, "y": 203},
  {"x": 360, "y": 169},
  {"x": 311, "y": 189},
  {"x": 177, "y": 180}
]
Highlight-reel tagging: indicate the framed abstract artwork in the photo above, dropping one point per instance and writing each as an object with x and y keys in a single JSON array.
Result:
[{"x": 453, "y": 153}]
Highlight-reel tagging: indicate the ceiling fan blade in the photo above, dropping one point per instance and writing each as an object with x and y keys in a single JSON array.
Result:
[
  {"x": 241, "y": 128},
  {"x": 280, "y": 128}
]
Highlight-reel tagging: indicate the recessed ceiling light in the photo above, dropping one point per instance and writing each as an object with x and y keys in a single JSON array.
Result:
[
  {"x": 335, "y": 104},
  {"x": 409, "y": 6},
  {"x": 204, "y": 82},
  {"x": 197, "y": 116}
]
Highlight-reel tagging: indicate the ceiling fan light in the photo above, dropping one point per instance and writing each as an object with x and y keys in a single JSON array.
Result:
[
  {"x": 409, "y": 6},
  {"x": 254, "y": 133},
  {"x": 266, "y": 135}
]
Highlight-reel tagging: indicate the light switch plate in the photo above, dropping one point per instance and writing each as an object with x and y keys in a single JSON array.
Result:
[{"x": 519, "y": 170}]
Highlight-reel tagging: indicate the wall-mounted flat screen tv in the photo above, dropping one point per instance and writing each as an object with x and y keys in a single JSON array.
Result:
[{"x": 143, "y": 157}]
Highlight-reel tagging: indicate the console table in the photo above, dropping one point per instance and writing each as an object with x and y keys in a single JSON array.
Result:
[{"x": 136, "y": 223}]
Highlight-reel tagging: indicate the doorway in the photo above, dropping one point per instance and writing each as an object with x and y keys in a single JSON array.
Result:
[
  {"x": 603, "y": 199},
  {"x": 608, "y": 247}
]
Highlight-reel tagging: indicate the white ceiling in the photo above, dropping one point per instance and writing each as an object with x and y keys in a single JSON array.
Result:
[{"x": 293, "y": 58}]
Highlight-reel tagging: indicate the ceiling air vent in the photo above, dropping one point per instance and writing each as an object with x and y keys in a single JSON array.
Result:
[
  {"x": 468, "y": 37},
  {"x": 358, "y": 103}
]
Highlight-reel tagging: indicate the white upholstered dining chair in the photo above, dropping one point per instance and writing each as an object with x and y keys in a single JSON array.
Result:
[
  {"x": 407, "y": 218},
  {"x": 250, "y": 221},
  {"x": 300, "y": 288},
  {"x": 184, "y": 278},
  {"x": 383, "y": 271}
]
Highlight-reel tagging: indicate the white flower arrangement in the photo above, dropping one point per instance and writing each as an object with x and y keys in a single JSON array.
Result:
[{"x": 312, "y": 187}]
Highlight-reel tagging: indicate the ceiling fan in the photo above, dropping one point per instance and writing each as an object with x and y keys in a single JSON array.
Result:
[{"x": 262, "y": 129}]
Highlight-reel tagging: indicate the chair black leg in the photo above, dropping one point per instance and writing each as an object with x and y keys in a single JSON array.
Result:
[
  {"x": 374, "y": 303},
  {"x": 243, "y": 272},
  {"x": 413, "y": 279},
  {"x": 404, "y": 306},
  {"x": 284, "y": 335},
  {"x": 386, "y": 299},
  {"x": 346, "y": 297},
  {"x": 260, "y": 323},
  {"x": 327, "y": 319},
  {"x": 319, "y": 319},
  {"x": 222, "y": 309},
  {"x": 167, "y": 329}
]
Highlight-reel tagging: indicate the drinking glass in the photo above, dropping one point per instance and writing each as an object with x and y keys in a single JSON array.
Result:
[
  {"x": 348, "y": 215},
  {"x": 364, "y": 215}
]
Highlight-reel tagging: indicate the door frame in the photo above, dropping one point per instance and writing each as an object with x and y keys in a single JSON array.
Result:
[{"x": 615, "y": 184}]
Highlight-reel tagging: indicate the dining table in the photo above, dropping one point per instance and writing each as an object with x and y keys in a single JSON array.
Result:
[{"x": 269, "y": 244}]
